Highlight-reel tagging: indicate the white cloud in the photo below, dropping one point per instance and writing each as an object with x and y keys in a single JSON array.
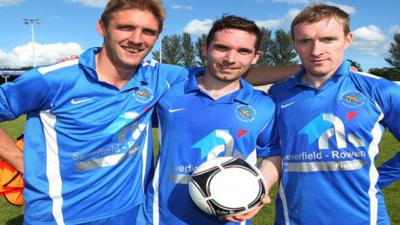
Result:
[
  {"x": 22, "y": 56},
  {"x": 394, "y": 29},
  {"x": 203, "y": 26},
  {"x": 176, "y": 6},
  {"x": 346, "y": 8},
  {"x": 269, "y": 23},
  {"x": 90, "y": 3},
  {"x": 9, "y": 2},
  {"x": 276, "y": 23},
  {"x": 198, "y": 26},
  {"x": 369, "y": 40},
  {"x": 182, "y": 7}
]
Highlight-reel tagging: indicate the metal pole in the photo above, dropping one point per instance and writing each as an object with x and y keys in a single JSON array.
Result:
[
  {"x": 32, "y": 22},
  {"x": 160, "y": 49},
  {"x": 33, "y": 45},
  {"x": 161, "y": 37}
]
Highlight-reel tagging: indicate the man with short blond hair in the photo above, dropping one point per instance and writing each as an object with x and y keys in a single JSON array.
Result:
[{"x": 330, "y": 122}]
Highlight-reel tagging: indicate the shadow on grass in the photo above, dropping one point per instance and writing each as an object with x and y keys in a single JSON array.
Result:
[{"x": 16, "y": 221}]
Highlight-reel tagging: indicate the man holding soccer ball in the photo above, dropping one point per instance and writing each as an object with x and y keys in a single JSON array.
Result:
[
  {"x": 330, "y": 122},
  {"x": 210, "y": 114}
]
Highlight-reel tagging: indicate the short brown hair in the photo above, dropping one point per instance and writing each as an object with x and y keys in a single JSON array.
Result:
[
  {"x": 235, "y": 22},
  {"x": 318, "y": 12},
  {"x": 154, "y": 6}
]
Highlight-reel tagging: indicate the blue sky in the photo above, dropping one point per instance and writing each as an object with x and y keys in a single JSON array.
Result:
[{"x": 68, "y": 26}]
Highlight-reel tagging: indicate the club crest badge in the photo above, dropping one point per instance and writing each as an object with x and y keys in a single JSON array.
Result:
[
  {"x": 352, "y": 99},
  {"x": 143, "y": 94},
  {"x": 245, "y": 113}
]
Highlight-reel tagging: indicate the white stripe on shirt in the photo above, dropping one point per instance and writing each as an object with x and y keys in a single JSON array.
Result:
[{"x": 53, "y": 165}]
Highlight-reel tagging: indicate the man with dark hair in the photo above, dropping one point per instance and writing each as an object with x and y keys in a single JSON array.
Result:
[
  {"x": 211, "y": 114},
  {"x": 330, "y": 122},
  {"x": 88, "y": 142}
]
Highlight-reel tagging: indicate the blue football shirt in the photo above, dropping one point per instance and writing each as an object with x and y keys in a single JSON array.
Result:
[
  {"x": 194, "y": 128},
  {"x": 329, "y": 142},
  {"x": 88, "y": 144}
]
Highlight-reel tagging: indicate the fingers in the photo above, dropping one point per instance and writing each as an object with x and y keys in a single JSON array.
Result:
[
  {"x": 239, "y": 218},
  {"x": 231, "y": 218},
  {"x": 266, "y": 200}
]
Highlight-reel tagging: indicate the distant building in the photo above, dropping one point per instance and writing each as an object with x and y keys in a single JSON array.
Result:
[{"x": 10, "y": 75}]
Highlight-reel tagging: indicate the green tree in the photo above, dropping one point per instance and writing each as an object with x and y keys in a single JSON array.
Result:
[
  {"x": 394, "y": 53},
  {"x": 171, "y": 49},
  {"x": 385, "y": 72},
  {"x": 282, "y": 50},
  {"x": 188, "y": 51},
  {"x": 201, "y": 60},
  {"x": 265, "y": 45},
  {"x": 156, "y": 55}
]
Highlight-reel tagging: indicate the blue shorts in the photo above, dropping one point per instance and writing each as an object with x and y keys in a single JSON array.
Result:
[{"x": 128, "y": 217}]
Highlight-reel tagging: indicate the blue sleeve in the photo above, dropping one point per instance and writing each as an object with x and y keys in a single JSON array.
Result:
[
  {"x": 172, "y": 73},
  {"x": 30, "y": 92},
  {"x": 272, "y": 92},
  {"x": 389, "y": 172},
  {"x": 389, "y": 99},
  {"x": 268, "y": 140}
]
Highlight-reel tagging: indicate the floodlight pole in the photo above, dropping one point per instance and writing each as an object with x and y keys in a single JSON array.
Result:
[
  {"x": 160, "y": 37},
  {"x": 28, "y": 21}
]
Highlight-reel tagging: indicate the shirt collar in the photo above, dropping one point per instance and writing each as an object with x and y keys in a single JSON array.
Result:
[
  {"x": 342, "y": 71},
  {"x": 88, "y": 60},
  {"x": 241, "y": 95},
  {"x": 191, "y": 83}
]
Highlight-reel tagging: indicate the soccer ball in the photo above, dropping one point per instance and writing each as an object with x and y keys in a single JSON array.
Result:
[{"x": 226, "y": 186}]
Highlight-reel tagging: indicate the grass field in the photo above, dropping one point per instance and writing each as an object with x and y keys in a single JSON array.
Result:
[{"x": 11, "y": 215}]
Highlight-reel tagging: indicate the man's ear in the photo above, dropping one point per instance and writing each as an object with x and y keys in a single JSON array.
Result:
[
  {"x": 348, "y": 39},
  {"x": 257, "y": 56},
  {"x": 100, "y": 27}
]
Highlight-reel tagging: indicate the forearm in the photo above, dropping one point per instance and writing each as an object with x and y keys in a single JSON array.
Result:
[
  {"x": 271, "y": 168},
  {"x": 263, "y": 75},
  {"x": 389, "y": 172},
  {"x": 9, "y": 152}
]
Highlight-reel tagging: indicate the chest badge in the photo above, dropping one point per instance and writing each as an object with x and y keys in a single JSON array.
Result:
[
  {"x": 245, "y": 113},
  {"x": 143, "y": 94},
  {"x": 352, "y": 99}
]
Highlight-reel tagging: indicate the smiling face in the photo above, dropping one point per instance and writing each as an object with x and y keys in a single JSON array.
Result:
[
  {"x": 230, "y": 54},
  {"x": 321, "y": 46},
  {"x": 129, "y": 37}
]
